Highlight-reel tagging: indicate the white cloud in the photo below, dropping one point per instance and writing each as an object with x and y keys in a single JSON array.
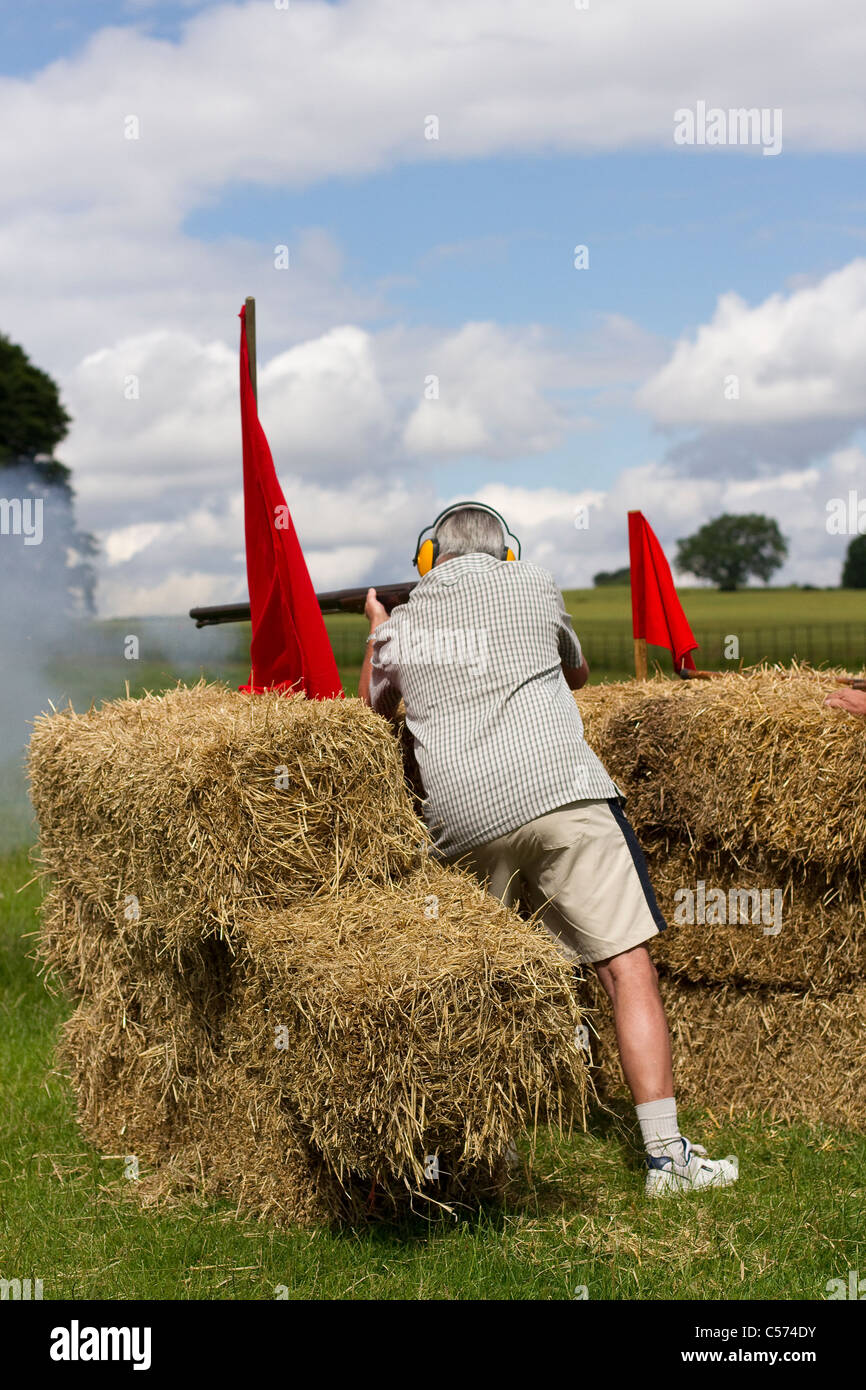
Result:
[
  {"x": 284, "y": 96},
  {"x": 675, "y": 506},
  {"x": 491, "y": 395},
  {"x": 93, "y": 239},
  {"x": 159, "y": 477},
  {"x": 796, "y": 357},
  {"x": 122, "y": 545},
  {"x": 101, "y": 279},
  {"x": 156, "y": 417},
  {"x": 359, "y": 532},
  {"x": 326, "y": 403},
  {"x": 172, "y": 593},
  {"x": 72, "y": 282},
  {"x": 352, "y": 532}
]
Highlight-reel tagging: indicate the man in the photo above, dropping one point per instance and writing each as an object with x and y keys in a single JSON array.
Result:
[{"x": 485, "y": 658}]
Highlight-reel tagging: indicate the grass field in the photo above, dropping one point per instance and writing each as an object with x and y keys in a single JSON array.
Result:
[
  {"x": 822, "y": 626},
  {"x": 576, "y": 1220},
  {"x": 817, "y": 625}
]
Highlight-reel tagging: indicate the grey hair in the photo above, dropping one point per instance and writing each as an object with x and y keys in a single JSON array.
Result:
[{"x": 470, "y": 532}]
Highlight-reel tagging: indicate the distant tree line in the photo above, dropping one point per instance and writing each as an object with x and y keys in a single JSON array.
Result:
[
  {"x": 729, "y": 550},
  {"x": 33, "y": 423}
]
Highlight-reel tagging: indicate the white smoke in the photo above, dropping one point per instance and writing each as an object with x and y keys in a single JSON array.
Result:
[{"x": 52, "y": 650}]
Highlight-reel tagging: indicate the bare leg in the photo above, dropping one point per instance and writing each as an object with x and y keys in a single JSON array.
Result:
[{"x": 631, "y": 983}]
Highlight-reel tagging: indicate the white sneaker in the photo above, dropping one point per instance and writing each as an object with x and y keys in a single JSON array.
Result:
[{"x": 692, "y": 1171}]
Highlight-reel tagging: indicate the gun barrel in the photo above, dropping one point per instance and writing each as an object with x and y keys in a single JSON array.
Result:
[{"x": 334, "y": 601}]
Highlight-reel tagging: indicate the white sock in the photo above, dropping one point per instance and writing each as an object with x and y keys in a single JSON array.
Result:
[{"x": 658, "y": 1127}]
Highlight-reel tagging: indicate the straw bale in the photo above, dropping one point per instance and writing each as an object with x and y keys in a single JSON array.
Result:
[
  {"x": 260, "y": 1156},
  {"x": 752, "y": 760},
  {"x": 172, "y": 802},
  {"x": 144, "y": 1028},
  {"x": 820, "y": 944},
  {"x": 793, "y": 1056},
  {"x": 414, "y": 1020},
  {"x": 134, "y": 1065}
]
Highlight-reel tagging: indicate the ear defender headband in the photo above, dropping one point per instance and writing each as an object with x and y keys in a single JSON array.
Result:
[{"x": 427, "y": 551}]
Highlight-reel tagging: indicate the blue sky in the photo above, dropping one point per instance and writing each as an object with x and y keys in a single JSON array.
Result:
[
  {"x": 598, "y": 381},
  {"x": 33, "y": 34},
  {"x": 494, "y": 239},
  {"x": 666, "y": 233}
]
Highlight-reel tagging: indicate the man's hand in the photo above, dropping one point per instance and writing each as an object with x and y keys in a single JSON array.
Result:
[
  {"x": 376, "y": 614},
  {"x": 854, "y": 701},
  {"x": 374, "y": 611},
  {"x": 576, "y": 677}
]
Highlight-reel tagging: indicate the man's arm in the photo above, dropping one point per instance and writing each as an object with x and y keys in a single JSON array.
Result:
[
  {"x": 366, "y": 671},
  {"x": 854, "y": 701},
  {"x": 575, "y": 667},
  {"x": 388, "y": 698}
]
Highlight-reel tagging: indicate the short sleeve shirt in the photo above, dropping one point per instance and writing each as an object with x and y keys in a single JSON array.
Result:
[{"x": 476, "y": 655}]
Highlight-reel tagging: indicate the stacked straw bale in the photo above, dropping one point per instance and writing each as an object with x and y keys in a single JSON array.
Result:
[
  {"x": 280, "y": 997},
  {"x": 174, "y": 799},
  {"x": 483, "y": 1029},
  {"x": 748, "y": 762},
  {"x": 740, "y": 1051},
  {"x": 743, "y": 783},
  {"x": 820, "y": 946}
]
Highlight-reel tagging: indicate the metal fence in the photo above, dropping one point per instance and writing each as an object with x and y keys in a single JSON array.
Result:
[
  {"x": 827, "y": 644},
  {"x": 819, "y": 644}
]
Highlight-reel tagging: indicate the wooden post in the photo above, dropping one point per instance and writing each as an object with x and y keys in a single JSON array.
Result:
[
  {"x": 250, "y": 305},
  {"x": 640, "y": 662},
  {"x": 640, "y": 658}
]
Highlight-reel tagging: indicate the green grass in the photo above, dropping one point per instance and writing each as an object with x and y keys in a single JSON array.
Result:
[
  {"x": 822, "y": 626},
  {"x": 67, "y": 1216},
  {"x": 575, "y": 1218}
]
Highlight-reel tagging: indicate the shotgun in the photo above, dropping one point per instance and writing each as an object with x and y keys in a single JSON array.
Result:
[{"x": 335, "y": 601}]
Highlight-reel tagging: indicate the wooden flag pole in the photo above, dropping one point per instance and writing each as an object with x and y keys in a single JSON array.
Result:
[
  {"x": 640, "y": 659},
  {"x": 250, "y": 305}
]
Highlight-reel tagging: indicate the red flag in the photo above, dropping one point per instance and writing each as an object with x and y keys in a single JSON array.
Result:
[
  {"x": 656, "y": 612},
  {"x": 290, "y": 649}
]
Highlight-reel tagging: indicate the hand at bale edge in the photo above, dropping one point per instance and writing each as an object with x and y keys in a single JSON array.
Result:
[
  {"x": 376, "y": 614},
  {"x": 374, "y": 611},
  {"x": 854, "y": 701}
]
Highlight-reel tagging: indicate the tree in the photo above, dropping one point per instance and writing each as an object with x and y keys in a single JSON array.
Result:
[
  {"x": 605, "y": 578},
  {"x": 728, "y": 549},
  {"x": 33, "y": 422},
  {"x": 854, "y": 569},
  {"x": 32, "y": 419}
]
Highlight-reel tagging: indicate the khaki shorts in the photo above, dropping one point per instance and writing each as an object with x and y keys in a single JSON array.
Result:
[{"x": 582, "y": 866}]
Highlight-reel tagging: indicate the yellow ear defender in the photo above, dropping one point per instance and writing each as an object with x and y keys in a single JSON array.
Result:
[{"x": 427, "y": 550}]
